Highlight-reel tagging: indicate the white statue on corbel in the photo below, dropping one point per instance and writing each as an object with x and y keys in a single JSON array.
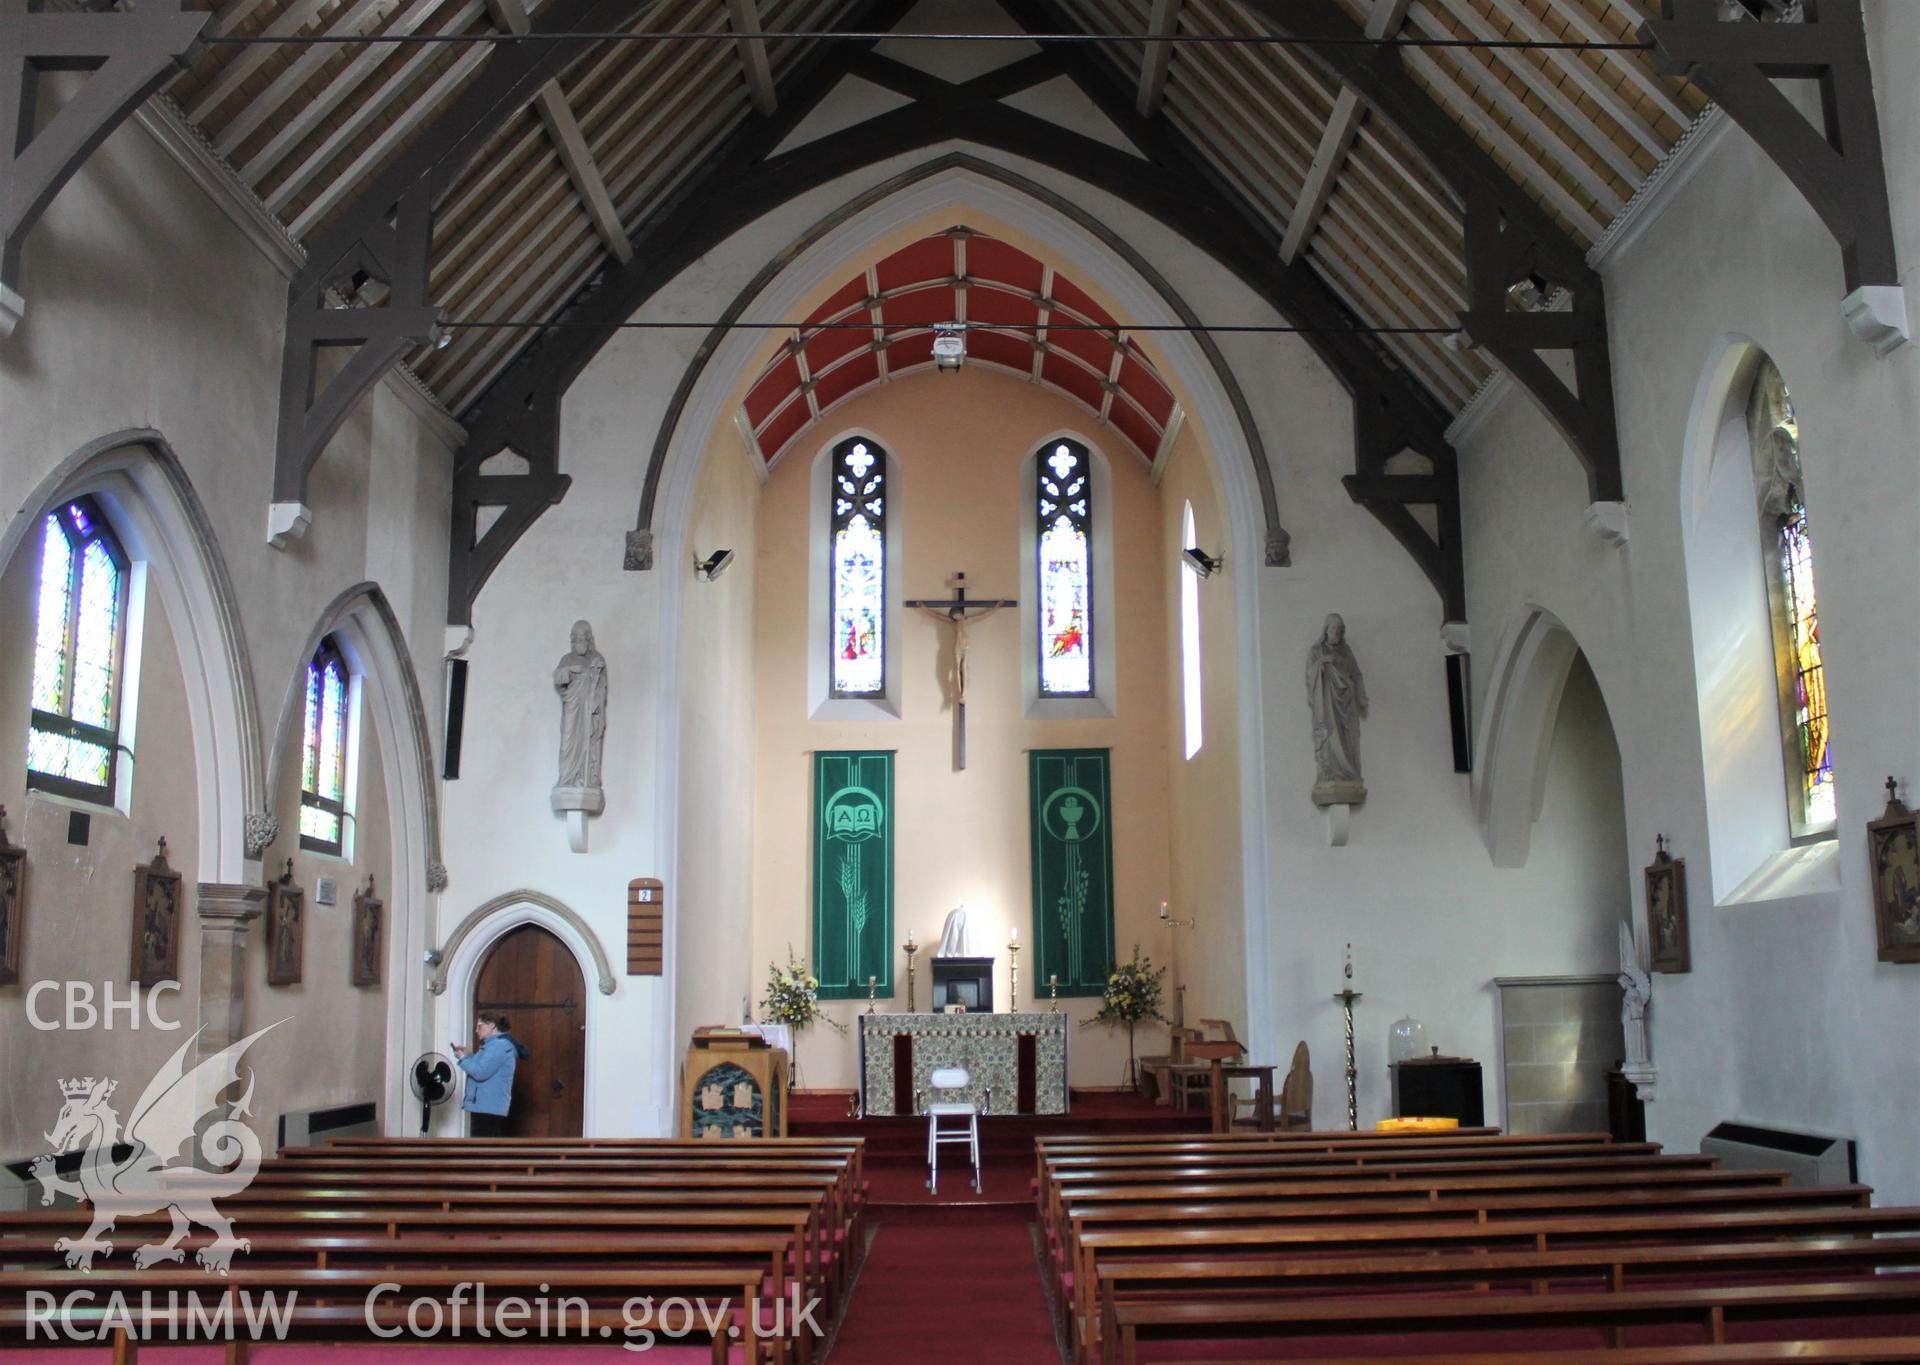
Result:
[
  {"x": 1337, "y": 699},
  {"x": 581, "y": 680},
  {"x": 1636, "y": 988}
]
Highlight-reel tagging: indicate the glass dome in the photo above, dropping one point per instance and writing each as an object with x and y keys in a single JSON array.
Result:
[{"x": 1406, "y": 1039}]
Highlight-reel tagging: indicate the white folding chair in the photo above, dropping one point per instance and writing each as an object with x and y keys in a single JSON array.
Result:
[{"x": 951, "y": 1080}]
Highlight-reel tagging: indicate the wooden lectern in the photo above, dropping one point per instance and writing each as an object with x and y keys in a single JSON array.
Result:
[{"x": 733, "y": 1086}]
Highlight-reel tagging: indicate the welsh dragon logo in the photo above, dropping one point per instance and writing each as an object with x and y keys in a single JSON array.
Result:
[{"x": 165, "y": 1120}]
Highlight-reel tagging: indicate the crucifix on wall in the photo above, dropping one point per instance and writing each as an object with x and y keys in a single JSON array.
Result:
[{"x": 959, "y": 613}]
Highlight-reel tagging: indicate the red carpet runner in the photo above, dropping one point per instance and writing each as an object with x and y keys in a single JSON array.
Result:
[{"x": 956, "y": 1292}]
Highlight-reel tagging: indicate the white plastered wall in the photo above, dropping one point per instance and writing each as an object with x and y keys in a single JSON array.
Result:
[
  {"x": 1431, "y": 921},
  {"x": 1786, "y": 1018},
  {"x": 150, "y": 315}
]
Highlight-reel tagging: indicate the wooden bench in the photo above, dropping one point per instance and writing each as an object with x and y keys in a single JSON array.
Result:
[{"x": 1707, "y": 1311}]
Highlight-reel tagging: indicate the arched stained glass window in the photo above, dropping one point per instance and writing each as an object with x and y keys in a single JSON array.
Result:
[
  {"x": 79, "y": 643},
  {"x": 1775, "y": 433},
  {"x": 323, "y": 752},
  {"x": 857, "y": 565},
  {"x": 1064, "y": 504}
]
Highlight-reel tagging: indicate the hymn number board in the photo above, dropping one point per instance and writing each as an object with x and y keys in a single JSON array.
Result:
[{"x": 646, "y": 927}]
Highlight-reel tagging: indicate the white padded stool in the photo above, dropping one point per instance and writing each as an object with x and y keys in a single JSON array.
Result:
[{"x": 951, "y": 1079}]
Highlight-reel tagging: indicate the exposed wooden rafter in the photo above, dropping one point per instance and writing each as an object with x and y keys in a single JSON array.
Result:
[
  {"x": 1383, "y": 21},
  {"x": 556, "y": 115},
  {"x": 753, "y": 54},
  {"x": 1158, "y": 59}
]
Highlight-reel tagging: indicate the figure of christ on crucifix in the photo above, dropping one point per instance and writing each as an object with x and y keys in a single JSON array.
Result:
[{"x": 959, "y": 613}]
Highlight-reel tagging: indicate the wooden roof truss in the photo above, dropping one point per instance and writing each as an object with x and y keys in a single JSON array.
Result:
[{"x": 1391, "y": 196}]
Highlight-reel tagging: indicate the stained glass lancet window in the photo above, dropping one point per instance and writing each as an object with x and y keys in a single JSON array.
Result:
[
  {"x": 1064, "y": 507},
  {"x": 79, "y": 642},
  {"x": 1775, "y": 433},
  {"x": 323, "y": 752},
  {"x": 857, "y": 614}
]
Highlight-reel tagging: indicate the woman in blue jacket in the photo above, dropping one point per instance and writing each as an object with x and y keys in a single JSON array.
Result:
[{"x": 489, "y": 1067}]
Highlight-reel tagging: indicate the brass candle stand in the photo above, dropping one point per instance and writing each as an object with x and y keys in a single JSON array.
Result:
[
  {"x": 873, "y": 985},
  {"x": 1013, "y": 983},
  {"x": 1346, "y": 997},
  {"x": 911, "y": 948},
  {"x": 1053, "y": 993}
]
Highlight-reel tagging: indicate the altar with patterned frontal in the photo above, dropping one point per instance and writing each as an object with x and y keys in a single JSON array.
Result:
[{"x": 1017, "y": 1063}]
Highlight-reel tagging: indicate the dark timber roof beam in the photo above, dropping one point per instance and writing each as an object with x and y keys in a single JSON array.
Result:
[
  {"x": 131, "y": 53},
  {"x": 1840, "y": 169},
  {"x": 1510, "y": 238},
  {"x": 364, "y": 284}
]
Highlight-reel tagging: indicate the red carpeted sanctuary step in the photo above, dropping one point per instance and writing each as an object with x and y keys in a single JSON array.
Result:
[
  {"x": 896, "y": 1148},
  {"x": 963, "y": 1288}
]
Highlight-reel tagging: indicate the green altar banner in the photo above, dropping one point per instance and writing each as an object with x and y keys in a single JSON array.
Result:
[
  {"x": 1072, "y": 870},
  {"x": 853, "y": 872}
]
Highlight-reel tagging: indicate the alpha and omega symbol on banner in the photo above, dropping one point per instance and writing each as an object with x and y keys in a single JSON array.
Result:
[
  {"x": 854, "y": 815},
  {"x": 1070, "y": 815}
]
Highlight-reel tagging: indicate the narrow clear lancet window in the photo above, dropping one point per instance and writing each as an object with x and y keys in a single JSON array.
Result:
[
  {"x": 858, "y": 489},
  {"x": 1190, "y": 637},
  {"x": 1065, "y": 500},
  {"x": 1775, "y": 433},
  {"x": 79, "y": 641},
  {"x": 323, "y": 762}
]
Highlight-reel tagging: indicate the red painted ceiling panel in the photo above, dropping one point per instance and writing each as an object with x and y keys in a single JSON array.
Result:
[
  {"x": 930, "y": 258},
  {"x": 848, "y": 294},
  {"x": 1001, "y": 349},
  {"x": 1064, "y": 374},
  {"x": 1079, "y": 300},
  {"x": 1000, "y": 308},
  {"x": 826, "y": 346},
  {"x": 1144, "y": 384},
  {"x": 1096, "y": 348},
  {"x": 840, "y": 367},
  {"x": 833, "y": 387},
  {"x": 910, "y": 351},
  {"x": 1129, "y": 422},
  {"x": 771, "y": 391},
  {"x": 921, "y": 308},
  {"x": 784, "y": 427},
  {"x": 988, "y": 259}
]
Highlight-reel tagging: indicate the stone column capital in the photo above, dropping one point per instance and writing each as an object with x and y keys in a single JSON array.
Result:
[{"x": 223, "y": 905}]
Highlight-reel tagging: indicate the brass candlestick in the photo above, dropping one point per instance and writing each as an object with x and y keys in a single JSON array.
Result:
[
  {"x": 1346, "y": 997},
  {"x": 1013, "y": 984},
  {"x": 873, "y": 983},
  {"x": 1053, "y": 993},
  {"x": 912, "y": 948}
]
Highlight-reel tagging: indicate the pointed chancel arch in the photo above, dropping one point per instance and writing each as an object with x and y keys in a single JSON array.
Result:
[
  {"x": 136, "y": 477},
  {"x": 948, "y": 190}
]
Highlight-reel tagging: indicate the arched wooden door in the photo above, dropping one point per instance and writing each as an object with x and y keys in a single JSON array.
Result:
[{"x": 532, "y": 978}]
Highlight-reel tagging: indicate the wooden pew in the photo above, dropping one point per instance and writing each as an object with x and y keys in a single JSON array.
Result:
[
  {"x": 1708, "y": 1311},
  {"x": 1324, "y": 1226},
  {"x": 334, "y": 1305}
]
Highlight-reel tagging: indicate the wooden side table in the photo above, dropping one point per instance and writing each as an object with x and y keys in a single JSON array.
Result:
[{"x": 1262, "y": 1077}]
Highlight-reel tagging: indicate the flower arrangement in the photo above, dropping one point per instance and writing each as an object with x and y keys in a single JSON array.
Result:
[
  {"x": 793, "y": 996},
  {"x": 1133, "y": 993}
]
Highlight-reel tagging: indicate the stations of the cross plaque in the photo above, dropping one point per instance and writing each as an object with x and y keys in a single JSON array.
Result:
[{"x": 959, "y": 613}]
